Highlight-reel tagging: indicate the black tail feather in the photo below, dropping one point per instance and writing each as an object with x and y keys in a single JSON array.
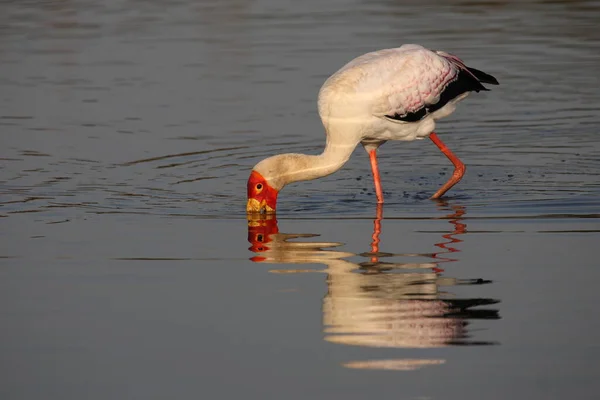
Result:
[{"x": 483, "y": 77}]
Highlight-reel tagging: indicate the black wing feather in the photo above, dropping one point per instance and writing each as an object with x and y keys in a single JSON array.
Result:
[
  {"x": 483, "y": 77},
  {"x": 469, "y": 80}
]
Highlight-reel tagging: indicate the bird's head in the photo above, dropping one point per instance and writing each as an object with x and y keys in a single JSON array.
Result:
[{"x": 262, "y": 197}]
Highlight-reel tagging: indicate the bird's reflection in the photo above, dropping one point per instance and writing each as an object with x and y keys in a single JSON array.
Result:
[{"x": 377, "y": 303}]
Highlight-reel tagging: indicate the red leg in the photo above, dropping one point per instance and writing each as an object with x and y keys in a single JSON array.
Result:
[
  {"x": 376, "y": 177},
  {"x": 459, "y": 167}
]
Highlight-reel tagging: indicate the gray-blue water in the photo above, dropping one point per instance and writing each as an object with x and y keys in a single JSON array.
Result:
[{"x": 129, "y": 268}]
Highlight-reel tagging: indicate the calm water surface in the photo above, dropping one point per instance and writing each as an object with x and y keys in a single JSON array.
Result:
[{"x": 130, "y": 270}]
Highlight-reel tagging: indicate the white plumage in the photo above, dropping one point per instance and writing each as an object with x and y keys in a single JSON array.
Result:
[
  {"x": 389, "y": 82},
  {"x": 391, "y": 94}
]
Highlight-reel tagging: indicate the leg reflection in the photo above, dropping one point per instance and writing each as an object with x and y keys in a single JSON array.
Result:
[{"x": 456, "y": 214}]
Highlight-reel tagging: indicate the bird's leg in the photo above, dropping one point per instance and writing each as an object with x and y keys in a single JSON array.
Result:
[
  {"x": 376, "y": 177},
  {"x": 459, "y": 167}
]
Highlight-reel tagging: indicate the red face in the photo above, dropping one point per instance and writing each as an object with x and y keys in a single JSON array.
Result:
[{"x": 262, "y": 198}]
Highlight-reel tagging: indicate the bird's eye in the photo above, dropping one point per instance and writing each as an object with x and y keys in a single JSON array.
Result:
[
  {"x": 258, "y": 186},
  {"x": 259, "y": 238}
]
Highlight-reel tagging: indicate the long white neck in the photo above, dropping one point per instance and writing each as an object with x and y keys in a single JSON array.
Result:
[{"x": 287, "y": 168}]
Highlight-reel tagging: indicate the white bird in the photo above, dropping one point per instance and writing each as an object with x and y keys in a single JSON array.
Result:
[{"x": 391, "y": 94}]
